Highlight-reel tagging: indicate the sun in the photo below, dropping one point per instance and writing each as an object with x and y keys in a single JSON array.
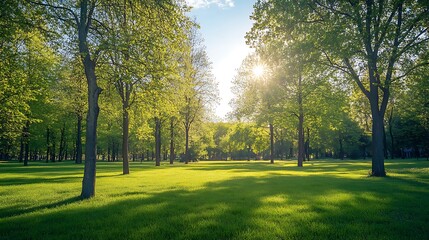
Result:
[{"x": 258, "y": 70}]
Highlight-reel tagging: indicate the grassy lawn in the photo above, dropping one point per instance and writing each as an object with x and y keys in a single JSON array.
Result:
[{"x": 217, "y": 200}]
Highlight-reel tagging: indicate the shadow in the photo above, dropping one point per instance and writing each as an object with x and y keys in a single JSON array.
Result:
[
  {"x": 12, "y": 212},
  {"x": 267, "y": 207},
  {"x": 33, "y": 180}
]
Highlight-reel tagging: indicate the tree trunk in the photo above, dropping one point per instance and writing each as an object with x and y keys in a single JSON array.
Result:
[
  {"x": 48, "y": 144},
  {"x": 172, "y": 141},
  {"x": 157, "y": 142},
  {"x": 307, "y": 145},
  {"x": 271, "y": 143},
  {"x": 54, "y": 146},
  {"x": 125, "y": 133},
  {"x": 108, "y": 151},
  {"x": 341, "y": 154},
  {"x": 300, "y": 124},
  {"x": 186, "y": 145},
  {"x": 88, "y": 182},
  {"x": 26, "y": 142},
  {"x": 21, "y": 148},
  {"x": 62, "y": 144},
  {"x": 377, "y": 145}
]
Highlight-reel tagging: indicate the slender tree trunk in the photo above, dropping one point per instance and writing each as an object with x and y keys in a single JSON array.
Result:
[
  {"x": 108, "y": 151},
  {"x": 48, "y": 144},
  {"x": 125, "y": 129},
  {"x": 186, "y": 144},
  {"x": 172, "y": 141},
  {"x": 26, "y": 142},
  {"x": 62, "y": 143},
  {"x": 271, "y": 143},
  {"x": 300, "y": 124},
  {"x": 21, "y": 148},
  {"x": 54, "y": 146},
  {"x": 307, "y": 145},
  {"x": 78, "y": 158},
  {"x": 157, "y": 142},
  {"x": 341, "y": 154}
]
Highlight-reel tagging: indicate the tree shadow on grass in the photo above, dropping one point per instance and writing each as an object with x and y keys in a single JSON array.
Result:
[
  {"x": 269, "y": 207},
  {"x": 10, "y": 212}
]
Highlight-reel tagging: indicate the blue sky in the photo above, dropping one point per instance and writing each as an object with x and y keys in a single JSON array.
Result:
[{"x": 224, "y": 24}]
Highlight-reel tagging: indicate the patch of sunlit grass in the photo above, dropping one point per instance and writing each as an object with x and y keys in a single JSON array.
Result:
[{"x": 325, "y": 199}]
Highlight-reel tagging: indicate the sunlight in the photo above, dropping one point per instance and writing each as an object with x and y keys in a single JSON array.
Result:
[{"x": 258, "y": 70}]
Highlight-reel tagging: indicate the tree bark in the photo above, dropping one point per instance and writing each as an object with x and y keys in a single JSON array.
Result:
[
  {"x": 26, "y": 142},
  {"x": 21, "y": 148},
  {"x": 125, "y": 134},
  {"x": 186, "y": 145},
  {"x": 172, "y": 141},
  {"x": 88, "y": 182},
  {"x": 157, "y": 141},
  {"x": 48, "y": 144},
  {"x": 62, "y": 143},
  {"x": 54, "y": 146},
  {"x": 300, "y": 124},
  {"x": 307, "y": 145},
  {"x": 271, "y": 143},
  {"x": 378, "y": 144}
]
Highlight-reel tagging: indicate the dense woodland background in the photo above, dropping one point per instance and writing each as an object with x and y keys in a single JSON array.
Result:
[{"x": 322, "y": 61}]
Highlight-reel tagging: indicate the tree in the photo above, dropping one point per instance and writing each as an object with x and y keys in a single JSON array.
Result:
[
  {"x": 200, "y": 89},
  {"x": 140, "y": 51},
  {"x": 384, "y": 42},
  {"x": 26, "y": 70}
]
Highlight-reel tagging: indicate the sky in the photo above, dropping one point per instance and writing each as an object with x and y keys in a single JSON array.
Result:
[{"x": 223, "y": 25}]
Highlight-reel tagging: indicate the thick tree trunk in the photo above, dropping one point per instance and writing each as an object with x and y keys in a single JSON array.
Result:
[
  {"x": 88, "y": 183},
  {"x": 172, "y": 142},
  {"x": 271, "y": 143},
  {"x": 157, "y": 142},
  {"x": 378, "y": 145},
  {"x": 125, "y": 133},
  {"x": 186, "y": 145}
]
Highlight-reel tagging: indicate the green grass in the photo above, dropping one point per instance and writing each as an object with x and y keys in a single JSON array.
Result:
[{"x": 217, "y": 200}]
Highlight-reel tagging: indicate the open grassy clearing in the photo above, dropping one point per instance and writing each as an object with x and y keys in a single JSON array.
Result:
[{"x": 217, "y": 200}]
